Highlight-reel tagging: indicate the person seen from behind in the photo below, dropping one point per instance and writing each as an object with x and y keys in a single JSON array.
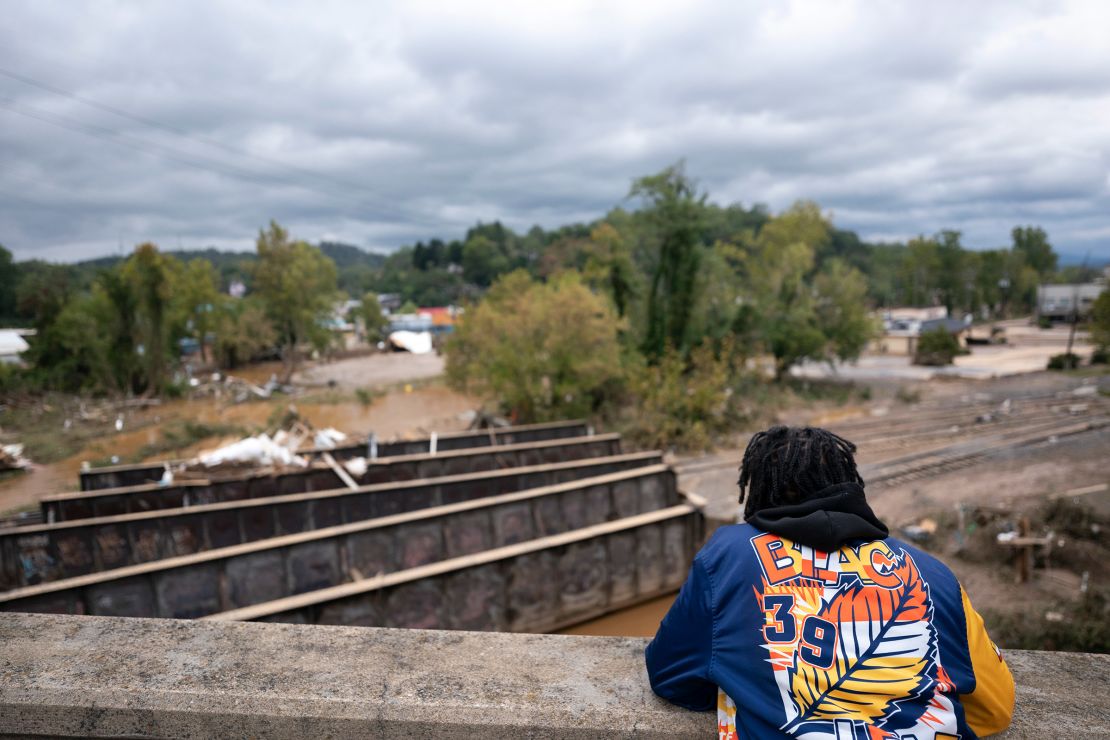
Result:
[{"x": 810, "y": 621}]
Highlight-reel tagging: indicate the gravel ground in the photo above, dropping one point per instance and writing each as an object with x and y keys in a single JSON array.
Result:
[{"x": 374, "y": 370}]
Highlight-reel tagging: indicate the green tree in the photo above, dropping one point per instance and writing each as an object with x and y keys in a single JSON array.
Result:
[
  {"x": 609, "y": 267},
  {"x": 483, "y": 260},
  {"x": 544, "y": 350},
  {"x": 841, "y": 307},
  {"x": 196, "y": 295},
  {"x": 776, "y": 273},
  {"x": 152, "y": 275},
  {"x": 296, "y": 282},
  {"x": 1100, "y": 321},
  {"x": 920, "y": 272},
  {"x": 1032, "y": 241},
  {"x": 952, "y": 279},
  {"x": 8, "y": 282},
  {"x": 674, "y": 214},
  {"x": 374, "y": 321},
  {"x": 797, "y": 311},
  {"x": 242, "y": 331}
]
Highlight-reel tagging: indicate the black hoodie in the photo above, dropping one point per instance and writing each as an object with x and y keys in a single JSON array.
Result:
[{"x": 838, "y": 515}]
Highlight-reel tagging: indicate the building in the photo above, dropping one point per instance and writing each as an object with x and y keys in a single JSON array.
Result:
[
  {"x": 12, "y": 345},
  {"x": 1057, "y": 302},
  {"x": 902, "y": 327}
]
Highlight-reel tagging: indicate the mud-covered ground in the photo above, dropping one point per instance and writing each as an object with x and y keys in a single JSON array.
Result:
[{"x": 372, "y": 394}]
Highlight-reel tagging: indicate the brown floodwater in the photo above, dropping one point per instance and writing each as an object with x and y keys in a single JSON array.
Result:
[{"x": 641, "y": 620}]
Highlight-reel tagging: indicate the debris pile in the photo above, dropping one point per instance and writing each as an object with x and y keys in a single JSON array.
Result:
[
  {"x": 11, "y": 458},
  {"x": 237, "y": 390}
]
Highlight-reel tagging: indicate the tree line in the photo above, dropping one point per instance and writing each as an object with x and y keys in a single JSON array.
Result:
[
  {"x": 660, "y": 311},
  {"x": 120, "y": 329},
  {"x": 676, "y": 271}
]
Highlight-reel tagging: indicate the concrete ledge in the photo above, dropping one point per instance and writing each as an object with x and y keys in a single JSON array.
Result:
[{"x": 111, "y": 677}]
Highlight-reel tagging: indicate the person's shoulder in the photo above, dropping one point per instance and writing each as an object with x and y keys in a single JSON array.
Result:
[
  {"x": 930, "y": 566},
  {"x": 727, "y": 543}
]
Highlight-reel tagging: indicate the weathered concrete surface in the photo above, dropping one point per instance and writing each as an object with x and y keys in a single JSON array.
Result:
[{"x": 109, "y": 677}]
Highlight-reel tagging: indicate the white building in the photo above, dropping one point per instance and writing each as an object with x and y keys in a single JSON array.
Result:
[
  {"x": 12, "y": 344},
  {"x": 1056, "y": 302}
]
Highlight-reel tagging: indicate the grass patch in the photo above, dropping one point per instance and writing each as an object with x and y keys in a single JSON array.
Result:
[
  {"x": 177, "y": 435},
  {"x": 52, "y": 427},
  {"x": 367, "y": 396}
]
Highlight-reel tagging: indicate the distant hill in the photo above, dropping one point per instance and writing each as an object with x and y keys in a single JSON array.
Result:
[
  {"x": 347, "y": 255},
  {"x": 344, "y": 255},
  {"x": 353, "y": 264}
]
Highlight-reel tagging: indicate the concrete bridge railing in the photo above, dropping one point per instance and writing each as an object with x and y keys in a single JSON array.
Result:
[{"x": 151, "y": 678}]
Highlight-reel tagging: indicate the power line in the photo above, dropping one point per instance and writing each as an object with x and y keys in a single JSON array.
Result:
[
  {"x": 180, "y": 132},
  {"x": 105, "y": 134},
  {"x": 189, "y": 159}
]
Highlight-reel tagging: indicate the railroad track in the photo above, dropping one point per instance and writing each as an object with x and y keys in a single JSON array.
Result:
[
  {"x": 927, "y": 465},
  {"x": 930, "y": 462}
]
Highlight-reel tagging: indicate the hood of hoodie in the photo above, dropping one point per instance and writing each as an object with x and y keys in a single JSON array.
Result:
[{"x": 838, "y": 515}]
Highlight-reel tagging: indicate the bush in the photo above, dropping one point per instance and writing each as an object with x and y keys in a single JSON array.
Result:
[
  {"x": 1063, "y": 361},
  {"x": 1101, "y": 356},
  {"x": 1044, "y": 322},
  {"x": 680, "y": 403},
  {"x": 936, "y": 347},
  {"x": 544, "y": 350}
]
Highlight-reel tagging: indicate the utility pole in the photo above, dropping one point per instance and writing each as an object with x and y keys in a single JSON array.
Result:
[{"x": 1075, "y": 314}]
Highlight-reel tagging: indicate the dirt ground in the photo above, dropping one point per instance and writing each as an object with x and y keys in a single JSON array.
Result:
[
  {"x": 400, "y": 406},
  {"x": 1027, "y": 350},
  {"x": 374, "y": 371}
]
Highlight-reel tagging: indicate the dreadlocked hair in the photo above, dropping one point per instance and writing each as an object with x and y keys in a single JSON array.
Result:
[{"x": 788, "y": 465}]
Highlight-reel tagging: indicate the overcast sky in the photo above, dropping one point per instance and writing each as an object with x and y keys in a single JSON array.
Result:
[{"x": 379, "y": 124}]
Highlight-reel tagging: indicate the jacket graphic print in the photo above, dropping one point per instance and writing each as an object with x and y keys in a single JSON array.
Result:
[{"x": 869, "y": 640}]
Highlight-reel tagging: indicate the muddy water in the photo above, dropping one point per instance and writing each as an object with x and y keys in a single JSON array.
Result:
[
  {"x": 636, "y": 621},
  {"x": 396, "y": 414}
]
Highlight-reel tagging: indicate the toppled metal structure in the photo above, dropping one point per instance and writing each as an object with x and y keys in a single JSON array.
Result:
[{"x": 522, "y": 529}]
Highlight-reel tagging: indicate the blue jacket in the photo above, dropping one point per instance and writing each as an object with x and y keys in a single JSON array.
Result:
[{"x": 872, "y": 639}]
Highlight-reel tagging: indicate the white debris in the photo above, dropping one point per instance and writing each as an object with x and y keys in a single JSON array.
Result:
[
  {"x": 167, "y": 477},
  {"x": 11, "y": 458},
  {"x": 1085, "y": 390},
  {"x": 418, "y": 343},
  {"x": 356, "y": 466},
  {"x": 260, "y": 450},
  {"x": 328, "y": 439}
]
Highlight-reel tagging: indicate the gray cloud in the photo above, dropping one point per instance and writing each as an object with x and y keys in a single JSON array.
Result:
[{"x": 382, "y": 124}]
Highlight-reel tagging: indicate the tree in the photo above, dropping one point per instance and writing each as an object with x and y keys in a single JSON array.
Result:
[
  {"x": 151, "y": 276},
  {"x": 1100, "y": 321},
  {"x": 195, "y": 298},
  {"x": 1032, "y": 241},
  {"x": 483, "y": 260},
  {"x": 776, "y": 274},
  {"x": 841, "y": 307},
  {"x": 952, "y": 279},
  {"x": 920, "y": 272},
  {"x": 544, "y": 350},
  {"x": 8, "y": 283},
  {"x": 674, "y": 215},
  {"x": 296, "y": 283},
  {"x": 374, "y": 321},
  {"x": 242, "y": 329},
  {"x": 799, "y": 313},
  {"x": 609, "y": 266}
]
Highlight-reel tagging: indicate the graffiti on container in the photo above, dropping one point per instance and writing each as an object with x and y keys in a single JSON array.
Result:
[{"x": 34, "y": 558}]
